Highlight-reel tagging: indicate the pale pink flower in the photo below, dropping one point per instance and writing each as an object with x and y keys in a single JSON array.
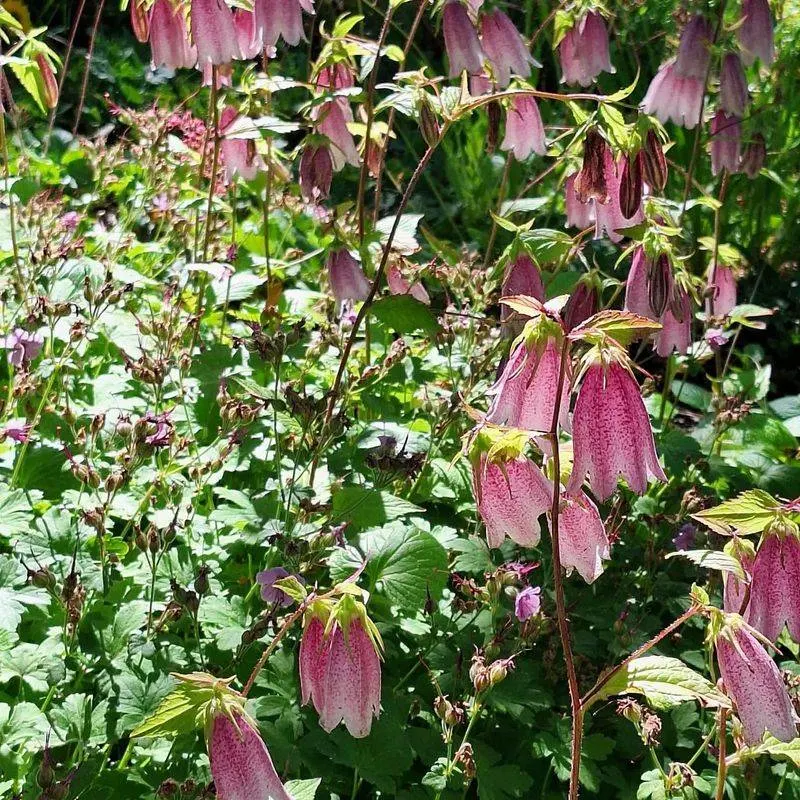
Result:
[
  {"x": 582, "y": 539},
  {"x": 579, "y": 214},
  {"x": 521, "y": 277},
  {"x": 461, "y": 40},
  {"x": 726, "y": 134},
  {"x": 611, "y": 433},
  {"x": 240, "y": 762},
  {"x": 169, "y": 37},
  {"x": 346, "y": 277},
  {"x": 610, "y": 219},
  {"x": 276, "y": 18},
  {"x": 721, "y": 291},
  {"x": 507, "y": 52},
  {"x": 332, "y": 120},
  {"x": 250, "y": 43},
  {"x": 637, "y": 286},
  {"x": 735, "y": 590},
  {"x": 223, "y": 72},
  {"x": 755, "y": 32},
  {"x": 671, "y": 96},
  {"x": 528, "y": 603},
  {"x": 480, "y": 85},
  {"x": 583, "y": 52},
  {"x": 23, "y": 346},
  {"x": 524, "y": 128},
  {"x": 676, "y": 324},
  {"x": 511, "y": 497},
  {"x": 733, "y": 96},
  {"x": 398, "y": 284},
  {"x": 213, "y": 32},
  {"x": 754, "y": 684},
  {"x": 239, "y": 156}
]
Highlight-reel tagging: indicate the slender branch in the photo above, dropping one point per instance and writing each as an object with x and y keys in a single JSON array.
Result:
[
  {"x": 89, "y": 56},
  {"x": 722, "y": 767}
]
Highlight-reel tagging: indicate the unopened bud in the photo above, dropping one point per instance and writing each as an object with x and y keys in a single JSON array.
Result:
[
  {"x": 653, "y": 163},
  {"x": 49, "y": 82},
  {"x": 630, "y": 187},
  {"x": 428, "y": 123}
]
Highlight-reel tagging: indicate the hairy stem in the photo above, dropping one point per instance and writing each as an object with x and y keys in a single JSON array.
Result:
[{"x": 722, "y": 767}]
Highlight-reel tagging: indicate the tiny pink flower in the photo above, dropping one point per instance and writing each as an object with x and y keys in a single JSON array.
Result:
[
  {"x": 398, "y": 284},
  {"x": 461, "y": 40},
  {"x": 726, "y": 134},
  {"x": 611, "y": 433},
  {"x": 213, "y": 32},
  {"x": 521, "y": 277},
  {"x": 755, "y": 32},
  {"x": 676, "y": 324},
  {"x": 733, "y": 96},
  {"x": 582, "y": 539},
  {"x": 506, "y": 51},
  {"x": 524, "y": 128},
  {"x": 240, "y": 762},
  {"x": 511, "y": 497},
  {"x": 528, "y": 603},
  {"x": 721, "y": 291},
  {"x": 23, "y": 346},
  {"x": 16, "y": 431},
  {"x": 316, "y": 173},
  {"x": 671, "y": 96},
  {"x": 281, "y": 18},
  {"x": 169, "y": 38},
  {"x": 754, "y": 684},
  {"x": 579, "y": 214},
  {"x": 346, "y": 278},
  {"x": 583, "y": 52},
  {"x": 716, "y": 338}
]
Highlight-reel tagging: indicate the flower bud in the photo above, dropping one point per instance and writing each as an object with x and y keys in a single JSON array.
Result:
[
  {"x": 428, "y": 124},
  {"x": 630, "y": 186},
  {"x": 653, "y": 162},
  {"x": 140, "y": 21},
  {"x": 753, "y": 156},
  {"x": 660, "y": 283},
  {"x": 590, "y": 182},
  {"x": 49, "y": 83}
]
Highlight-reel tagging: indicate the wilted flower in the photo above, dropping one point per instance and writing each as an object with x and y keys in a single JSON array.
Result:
[
  {"x": 733, "y": 97},
  {"x": 583, "y": 52},
  {"x": 271, "y": 593},
  {"x": 579, "y": 214},
  {"x": 504, "y": 47},
  {"x": 591, "y": 182},
  {"x": 511, "y": 496},
  {"x": 340, "y": 671},
  {"x": 753, "y": 156},
  {"x": 213, "y": 32},
  {"x": 316, "y": 173},
  {"x": 240, "y": 762},
  {"x": 239, "y": 156},
  {"x": 521, "y": 277},
  {"x": 582, "y": 539},
  {"x": 715, "y": 338},
  {"x": 347, "y": 279},
  {"x": 753, "y": 682},
  {"x": 775, "y": 589},
  {"x": 720, "y": 291},
  {"x": 630, "y": 186},
  {"x": 755, "y": 32},
  {"x": 461, "y": 40},
  {"x": 611, "y": 433},
  {"x": 23, "y": 346},
  {"x": 581, "y": 305},
  {"x": 676, "y": 324},
  {"x": 726, "y": 134},
  {"x": 685, "y": 538},
  {"x": 528, "y": 603},
  {"x": 524, "y": 128},
  {"x": 673, "y": 97},
  {"x": 399, "y": 285}
]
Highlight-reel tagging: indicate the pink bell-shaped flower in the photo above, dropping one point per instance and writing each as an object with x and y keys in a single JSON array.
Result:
[
  {"x": 340, "y": 669},
  {"x": 507, "y": 52},
  {"x": 582, "y": 539},
  {"x": 676, "y": 324},
  {"x": 754, "y": 684},
  {"x": 347, "y": 279},
  {"x": 733, "y": 96},
  {"x": 611, "y": 433},
  {"x": 726, "y": 135},
  {"x": 213, "y": 32},
  {"x": 521, "y": 277},
  {"x": 524, "y": 128},
  {"x": 461, "y": 41},
  {"x": 581, "y": 305},
  {"x": 775, "y": 588},
  {"x": 511, "y": 496},
  {"x": 694, "y": 49},
  {"x": 398, "y": 284},
  {"x": 525, "y": 393},
  {"x": 637, "y": 286},
  {"x": 755, "y": 32},
  {"x": 239, "y": 156},
  {"x": 736, "y": 591},
  {"x": 721, "y": 291},
  {"x": 316, "y": 173},
  {"x": 579, "y": 214},
  {"x": 610, "y": 219},
  {"x": 673, "y": 97},
  {"x": 583, "y": 52},
  {"x": 332, "y": 120},
  {"x": 247, "y": 34},
  {"x": 480, "y": 85},
  {"x": 169, "y": 38},
  {"x": 281, "y": 18},
  {"x": 753, "y": 156},
  {"x": 240, "y": 762}
]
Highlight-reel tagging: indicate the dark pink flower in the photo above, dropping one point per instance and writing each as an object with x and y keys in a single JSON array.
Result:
[
  {"x": 715, "y": 338},
  {"x": 528, "y": 603},
  {"x": 581, "y": 305},
  {"x": 583, "y": 52},
  {"x": 754, "y": 684},
  {"x": 721, "y": 291},
  {"x": 213, "y": 32},
  {"x": 521, "y": 277},
  {"x": 755, "y": 32},
  {"x": 754, "y": 156},
  {"x": 726, "y": 134},
  {"x": 17, "y": 432},
  {"x": 276, "y": 18},
  {"x": 461, "y": 40},
  {"x": 583, "y": 543},
  {"x": 162, "y": 436},
  {"x": 671, "y": 96},
  {"x": 507, "y": 52},
  {"x": 316, "y": 173},
  {"x": 524, "y": 128},
  {"x": 169, "y": 38},
  {"x": 733, "y": 96},
  {"x": 480, "y": 84},
  {"x": 611, "y": 433},
  {"x": 775, "y": 588},
  {"x": 736, "y": 590},
  {"x": 511, "y": 497},
  {"x": 23, "y": 346},
  {"x": 579, "y": 214},
  {"x": 398, "y": 284},
  {"x": 240, "y": 762},
  {"x": 346, "y": 278},
  {"x": 637, "y": 286},
  {"x": 694, "y": 49},
  {"x": 676, "y": 324}
]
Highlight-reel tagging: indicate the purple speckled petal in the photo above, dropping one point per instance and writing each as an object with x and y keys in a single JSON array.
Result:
[
  {"x": 582, "y": 538},
  {"x": 637, "y": 295},
  {"x": 313, "y": 663},
  {"x": 214, "y": 32},
  {"x": 773, "y": 586}
]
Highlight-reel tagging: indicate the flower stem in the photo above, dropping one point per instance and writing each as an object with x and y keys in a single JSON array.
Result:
[{"x": 722, "y": 767}]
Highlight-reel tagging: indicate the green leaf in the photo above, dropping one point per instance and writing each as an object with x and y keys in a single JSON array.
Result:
[
  {"x": 622, "y": 326},
  {"x": 748, "y": 513},
  {"x": 364, "y": 508},
  {"x": 138, "y": 698},
  {"x": 405, "y": 314},
  {"x": 16, "y": 515},
  {"x": 252, "y": 388},
  {"x": 179, "y": 712},
  {"x": 664, "y": 682},
  {"x": 782, "y": 751},
  {"x": 303, "y": 789},
  {"x": 712, "y": 559}
]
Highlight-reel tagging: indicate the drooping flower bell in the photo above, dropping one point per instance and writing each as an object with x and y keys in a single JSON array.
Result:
[
  {"x": 398, "y": 284},
  {"x": 346, "y": 277},
  {"x": 676, "y": 324},
  {"x": 591, "y": 182},
  {"x": 169, "y": 37},
  {"x": 583, "y": 52},
  {"x": 755, "y": 32},
  {"x": 23, "y": 346},
  {"x": 239, "y": 156},
  {"x": 694, "y": 51},
  {"x": 525, "y": 394},
  {"x": 630, "y": 186},
  {"x": 520, "y": 277},
  {"x": 506, "y": 51},
  {"x": 281, "y": 18},
  {"x": 610, "y": 219},
  {"x": 332, "y": 121},
  {"x": 726, "y": 134},
  {"x": 775, "y": 588},
  {"x": 753, "y": 156},
  {"x": 579, "y": 214},
  {"x": 735, "y": 597},
  {"x": 583, "y": 542},
  {"x": 524, "y": 128},
  {"x": 247, "y": 33},
  {"x": 140, "y": 20},
  {"x": 611, "y": 434},
  {"x": 240, "y": 762},
  {"x": 581, "y": 305},
  {"x": 461, "y": 41},
  {"x": 213, "y": 32},
  {"x": 753, "y": 682},
  {"x": 720, "y": 291},
  {"x": 316, "y": 172},
  {"x": 340, "y": 669},
  {"x": 649, "y": 285},
  {"x": 672, "y": 97},
  {"x": 733, "y": 96}
]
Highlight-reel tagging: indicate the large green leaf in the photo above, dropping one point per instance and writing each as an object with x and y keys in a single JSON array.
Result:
[{"x": 362, "y": 507}]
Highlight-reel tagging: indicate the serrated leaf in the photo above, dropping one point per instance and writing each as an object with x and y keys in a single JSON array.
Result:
[
  {"x": 363, "y": 507},
  {"x": 252, "y": 388},
  {"x": 303, "y": 789},
  {"x": 748, "y": 513},
  {"x": 664, "y": 682},
  {"x": 179, "y": 712},
  {"x": 712, "y": 559},
  {"x": 782, "y": 751},
  {"x": 405, "y": 314},
  {"x": 622, "y": 326}
]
